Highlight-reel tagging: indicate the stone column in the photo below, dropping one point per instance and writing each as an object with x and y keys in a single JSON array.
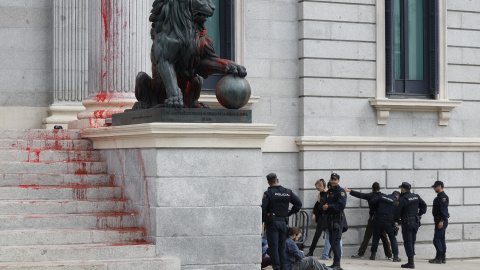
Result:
[
  {"x": 119, "y": 47},
  {"x": 70, "y": 61}
]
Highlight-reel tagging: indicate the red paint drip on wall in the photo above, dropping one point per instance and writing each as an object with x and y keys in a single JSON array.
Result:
[{"x": 107, "y": 16}]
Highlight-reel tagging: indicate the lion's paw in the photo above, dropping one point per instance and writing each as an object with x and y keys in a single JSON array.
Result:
[
  {"x": 174, "y": 102},
  {"x": 200, "y": 105}
]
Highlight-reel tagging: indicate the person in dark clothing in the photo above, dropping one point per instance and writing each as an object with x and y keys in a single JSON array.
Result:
[
  {"x": 295, "y": 258},
  {"x": 369, "y": 229},
  {"x": 334, "y": 206},
  {"x": 384, "y": 222},
  {"x": 275, "y": 203},
  {"x": 440, "y": 217},
  {"x": 319, "y": 215},
  {"x": 408, "y": 213}
]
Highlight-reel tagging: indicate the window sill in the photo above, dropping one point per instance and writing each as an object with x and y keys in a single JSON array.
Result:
[{"x": 443, "y": 107}]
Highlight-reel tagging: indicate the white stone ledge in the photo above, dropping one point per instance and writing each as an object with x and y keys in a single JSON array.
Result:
[
  {"x": 212, "y": 102},
  {"x": 443, "y": 107},
  {"x": 180, "y": 135},
  {"x": 388, "y": 144}
]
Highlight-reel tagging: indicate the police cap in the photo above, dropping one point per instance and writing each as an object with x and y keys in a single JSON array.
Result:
[
  {"x": 271, "y": 176},
  {"x": 405, "y": 185},
  {"x": 335, "y": 176},
  {"x": 438, "y": 183}
]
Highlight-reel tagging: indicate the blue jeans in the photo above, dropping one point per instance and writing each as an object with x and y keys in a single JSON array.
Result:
[{"x": 327, "y": 247}]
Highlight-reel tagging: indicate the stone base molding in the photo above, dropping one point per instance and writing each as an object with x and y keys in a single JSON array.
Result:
[
  {"x": 61, "y": 115},
  {"x": 389, "y": 144},
  {"x": 180, "y": 135},
  {"x": 195, "y": 187}
]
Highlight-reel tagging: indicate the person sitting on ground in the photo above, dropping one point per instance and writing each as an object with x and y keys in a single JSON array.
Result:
[{"x": 295, "y": 258}]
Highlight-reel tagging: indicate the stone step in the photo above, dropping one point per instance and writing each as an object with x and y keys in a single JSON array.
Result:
[
  {"x": 119, "y": 264},
  {"x": 48, "y": 156},
  {"x": 75, "y": 252},
  {"x": 40, "y": 134},
  {"x": 60, "y": 193},
  {"x": 68, "y": 221},
  {"x": 15, "y": 180},
  {"x": 69, "y": 145},
  {"x": 55, "y": 167},
  {"x": 72, "y": 237},
  {"x": 63, "y": 207}
]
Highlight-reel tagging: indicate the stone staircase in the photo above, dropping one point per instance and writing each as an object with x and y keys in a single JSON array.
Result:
[{"x": 59, "y": 208}]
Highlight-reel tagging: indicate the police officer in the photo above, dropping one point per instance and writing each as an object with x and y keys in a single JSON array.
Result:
[
  {"x": 371, "y": 223},
  {"x": 440, "y": 216},
  {"x": 334, "y": 206},
  {"x": 274, "y": 213},
  {"x": 384, "y": 222},
  {"x": 408, "y": 213}
]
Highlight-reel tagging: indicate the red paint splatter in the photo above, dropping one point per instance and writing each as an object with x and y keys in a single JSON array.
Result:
[{"x": 107, "y": 17}]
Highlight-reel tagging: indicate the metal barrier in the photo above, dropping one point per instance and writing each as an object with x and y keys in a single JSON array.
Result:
[{"x": 301, "y": 221}]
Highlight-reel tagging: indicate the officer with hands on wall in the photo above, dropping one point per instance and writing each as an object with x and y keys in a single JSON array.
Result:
[
  {"x": 440, "y": 216},
  {"x": 275, "y": 212},
  {"x": 408, "y": 213},
  {"x": 384, "y": 222},
  {"x": 334, "y": 206}
]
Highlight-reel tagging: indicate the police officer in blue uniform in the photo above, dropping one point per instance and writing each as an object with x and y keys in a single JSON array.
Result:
[
  {"x": 384, "y": 219},
  {"x": 409, "y": 212},
  {"x": 334, "y": 206},
  {"x": 440, "y": 216},
  {"x": 275, "y": 213}
]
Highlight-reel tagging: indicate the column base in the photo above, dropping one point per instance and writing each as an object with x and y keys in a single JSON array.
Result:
[{"x": 61, "y": 115}]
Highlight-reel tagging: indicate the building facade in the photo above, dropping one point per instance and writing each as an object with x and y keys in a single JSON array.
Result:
[{"x": 343, "y": 80}]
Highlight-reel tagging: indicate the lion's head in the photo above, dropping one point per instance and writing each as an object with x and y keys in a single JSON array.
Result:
[{"x": 184, "y": 17}]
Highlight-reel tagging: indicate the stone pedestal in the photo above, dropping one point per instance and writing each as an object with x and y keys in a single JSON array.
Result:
[
  {"x": 70, "y": 61},
  {"x": 119, "y": 47},
  {"x": 198, "y": 187}
]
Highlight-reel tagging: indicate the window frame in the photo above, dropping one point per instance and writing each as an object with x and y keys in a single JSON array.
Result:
[
  {"x": 227, "y": 42},
  {"x": 426, "y": 88},
  {"x": 441, "y": 103}
]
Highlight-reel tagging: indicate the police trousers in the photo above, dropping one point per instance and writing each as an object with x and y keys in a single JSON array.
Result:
[
  {"x": 409, "y": 233},
  {"x": 335, "y": 235},
  {"x": 381, "y": 227},
  {"x": 276, "y": 236},
  {"x": 368, "y": 235},
  {"x": 309, "y": 263},
  {"x": 439, "y": 238}
]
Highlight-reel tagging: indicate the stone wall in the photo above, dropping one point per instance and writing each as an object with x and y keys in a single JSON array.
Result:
[{"x": 26, "y": 69}]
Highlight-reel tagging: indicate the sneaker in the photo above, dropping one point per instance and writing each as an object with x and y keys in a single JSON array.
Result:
[
  {"x": 358, "y": 256},
  {"x": 325, "y": 258},
  {"x": 389, "y": 258}
]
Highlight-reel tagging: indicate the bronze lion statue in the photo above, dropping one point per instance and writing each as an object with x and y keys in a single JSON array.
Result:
[{"x": 182, "y": 56}]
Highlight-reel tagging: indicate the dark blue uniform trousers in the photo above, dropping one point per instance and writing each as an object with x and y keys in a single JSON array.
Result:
[
  {"x": 409, "y": 233},
  {"x": 335, "y": 236},
  {"x": 439, "y": 238},
  {"x": 386, "y": 226},
  {"x": 276, "y": 236}
]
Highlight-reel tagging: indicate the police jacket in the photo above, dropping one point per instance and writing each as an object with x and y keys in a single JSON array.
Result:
[
  {"x": 336, "y": 200},
  {"x": 410, "y": 205},
  {"x": 277, "y": 199},
  {"x": 318, "y": 210},
  {"x": 368, "y": 197},
  {"x": 385, "y": 207},
  {"x": 440, "y": 207}
]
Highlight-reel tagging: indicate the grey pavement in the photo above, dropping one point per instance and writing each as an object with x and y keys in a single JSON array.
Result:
[{"x": 366, "y": 264}]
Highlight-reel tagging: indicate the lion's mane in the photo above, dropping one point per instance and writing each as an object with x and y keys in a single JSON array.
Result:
[{"x": 174, "y": 15}]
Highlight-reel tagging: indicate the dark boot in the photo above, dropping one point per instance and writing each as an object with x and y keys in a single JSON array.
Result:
[
  {"x": 444, "y": 258},
  {"x": 309, "y": 254},
  {"x": 372, "y": 257},
  {"x": 336, "y": 265},
  {"x": 396, "y": 258},
  {"x": 437, "y": 259},
  {"x": 410, "y": 264}
]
